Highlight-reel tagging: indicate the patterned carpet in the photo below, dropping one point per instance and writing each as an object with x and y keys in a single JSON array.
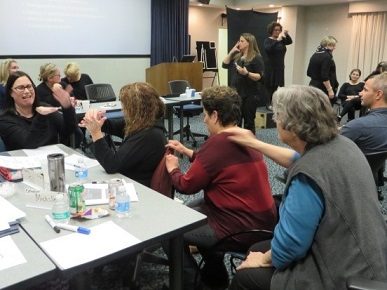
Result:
[{"x": 153, "y": 276}]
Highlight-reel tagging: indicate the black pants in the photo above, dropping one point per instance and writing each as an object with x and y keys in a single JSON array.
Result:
[
  {"x": 350, "y": 107},
  {"x": 254, "y": 278},
  {"x": 249, "y": 109},
  {"x": 214, "y": 272}
]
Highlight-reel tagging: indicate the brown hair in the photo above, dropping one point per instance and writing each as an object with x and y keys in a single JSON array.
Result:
[
  {"x": 253, "y": 47},
  {"x": 141, "y": 105},
  {"x": 271, "y": 26}
]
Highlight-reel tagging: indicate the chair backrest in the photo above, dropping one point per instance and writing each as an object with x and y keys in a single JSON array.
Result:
[
  {"x": 97, "y": 93},
  {"x": 376, "y": 161},
  {"x": 178, "y": 87},
  {"x": 161, "y": 180},
  {"x": 2, "y": 146}
]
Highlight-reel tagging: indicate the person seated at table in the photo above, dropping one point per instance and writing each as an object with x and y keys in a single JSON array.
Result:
[
  {"x": 7, "y": 67},
  {"x": 349, "y": 95},
  {"x": 28, "y": 123},
  {"x": 76, "y": 80},
  {"x": 142, "y": 130},
  {"x": 235, "y": 182},
  {"x": 50, "y": 75},
  {"x": 330, "y": 222}
]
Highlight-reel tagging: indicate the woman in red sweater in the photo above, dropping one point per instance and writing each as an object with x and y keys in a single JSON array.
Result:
[{"x": 234, "y": 179}]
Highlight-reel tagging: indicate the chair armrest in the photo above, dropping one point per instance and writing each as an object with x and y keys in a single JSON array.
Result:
[{"x": 359, "y": 283}]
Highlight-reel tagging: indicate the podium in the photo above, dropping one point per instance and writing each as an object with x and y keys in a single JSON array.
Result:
[{"x": 159, "y": 75}]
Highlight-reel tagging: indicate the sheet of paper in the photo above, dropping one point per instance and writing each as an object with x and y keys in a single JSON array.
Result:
[
  {"x": 10, "y": 254},
  {"x": 19, "y": 162},
  {"x": 72, "y": 160},
  {"x": 9, "y": 212},
  {"x": 129, "y": 186},
  {"x": 43, "y": 151},
  {"x": 76, "y": 249}
]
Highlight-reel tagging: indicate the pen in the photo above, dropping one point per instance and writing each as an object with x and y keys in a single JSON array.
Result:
[
  {"x": 52, "y": 224},
  {"x": 72, "y": 228}
]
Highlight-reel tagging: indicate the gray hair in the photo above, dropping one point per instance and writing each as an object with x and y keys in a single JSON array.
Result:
[
  {"x": 380, "y": 83},
  {"x": 307, "y": 112}
]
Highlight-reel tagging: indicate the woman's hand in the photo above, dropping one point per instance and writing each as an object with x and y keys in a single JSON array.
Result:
[
  {"x": 46, "y": 110},
  {"x": 93, "y": 121},
  {"x": 242, "y": 136},
  {"x": 177, "y": 146},
  {"x": 235, "y": 48},
  {"x": 171, "y": 162},
  {"x": 241, "y": 70},
  {"x": 61, "y": 96},
  {"x": 256, "y": 260}
]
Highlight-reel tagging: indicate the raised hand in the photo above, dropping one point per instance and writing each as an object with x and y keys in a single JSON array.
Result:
[
  {"x": 61, "y": 96},
  {"x": 93, "y": 121},
  {"x": 46, "y": 110}
]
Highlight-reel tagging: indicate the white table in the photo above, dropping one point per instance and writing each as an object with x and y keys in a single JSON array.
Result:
[{"x": 154, "y": 218}]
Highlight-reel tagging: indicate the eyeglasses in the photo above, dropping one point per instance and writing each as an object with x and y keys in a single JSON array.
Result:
[{"x": 21, "y": 89}]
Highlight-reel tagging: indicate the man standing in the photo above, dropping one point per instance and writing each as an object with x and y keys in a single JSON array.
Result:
[{"x": 370, "y": 132}]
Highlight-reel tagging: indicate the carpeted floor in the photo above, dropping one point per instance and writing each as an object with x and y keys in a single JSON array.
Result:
[{"x": 153, "y": 276}]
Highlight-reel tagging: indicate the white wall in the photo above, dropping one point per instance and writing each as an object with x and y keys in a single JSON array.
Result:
[{"x": 116, "y": 71}]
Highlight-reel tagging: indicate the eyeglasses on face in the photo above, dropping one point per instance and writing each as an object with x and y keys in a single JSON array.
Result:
[{"x": 21, "y": 89}]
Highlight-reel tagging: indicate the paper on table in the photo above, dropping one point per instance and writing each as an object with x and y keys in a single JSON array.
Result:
[
  {"x": 72, "y": 160},
  {"x": 76, "y": 249},
  {"x": 19, "y": 162},
  {"x": 9, "y": 212},
  {"x": 129, "y": 187},
  {"x": 10, "y": 254},
  {"x": 44, "y": 151}
]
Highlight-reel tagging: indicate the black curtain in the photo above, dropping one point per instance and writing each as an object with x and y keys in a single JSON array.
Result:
[{"x": 169, "y": 30}]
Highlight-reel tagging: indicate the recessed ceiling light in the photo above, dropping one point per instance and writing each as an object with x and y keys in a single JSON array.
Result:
[
  {"x": 271, "y": 5},
  {"x": 200, "y": 4},
  {"x": 238, "y": 8}
]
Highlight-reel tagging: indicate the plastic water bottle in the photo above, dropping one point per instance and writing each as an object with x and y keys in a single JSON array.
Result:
[
  {"x": 60, "y": 209},
  {"x": 81, "y": 170},
  {"x": 187, "y": 92},
  {"x": 122, "y": 202}
]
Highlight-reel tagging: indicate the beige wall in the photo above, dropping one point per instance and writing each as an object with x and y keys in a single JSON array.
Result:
[{"x": 116, "y": 71}]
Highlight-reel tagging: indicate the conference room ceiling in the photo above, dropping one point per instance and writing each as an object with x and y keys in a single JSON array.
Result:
[{"x": 266, "y": 4}]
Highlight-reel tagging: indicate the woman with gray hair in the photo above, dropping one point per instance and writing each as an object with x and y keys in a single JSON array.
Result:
[
  {"x": 322, "y": 68},
  {"x": 323, "y": 235}
]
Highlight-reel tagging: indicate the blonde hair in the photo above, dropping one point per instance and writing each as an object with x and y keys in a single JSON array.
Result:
[
  {"x": 141, "y": 105},
  {"x": 4, "y": 70},
  {"x": 253, "y": 49},
  {"x": 46, "y": 71},
  {"x": 72, "y": 71},
  {"x": 328, "y": 40}
]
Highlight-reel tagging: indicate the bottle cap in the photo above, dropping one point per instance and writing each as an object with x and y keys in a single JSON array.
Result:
[{"x": 83, "y": 230}]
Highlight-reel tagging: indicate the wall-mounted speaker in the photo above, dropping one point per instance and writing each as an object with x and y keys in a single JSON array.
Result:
[{"x": 204, "y": 1}]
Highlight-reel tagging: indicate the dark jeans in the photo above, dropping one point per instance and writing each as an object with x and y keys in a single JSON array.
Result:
[
  {"x": 254, "y": 278},
  {"x": 249, "y": 109}
]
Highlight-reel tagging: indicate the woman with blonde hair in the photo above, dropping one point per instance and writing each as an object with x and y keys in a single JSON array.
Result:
[
  {"x": 49, "y": 75},
  {"x": 142, "y": 130},
  {"x": 7, "y": 67},
  {"x": 246, "y": 64},
  {"x": 76, "y": 80}
]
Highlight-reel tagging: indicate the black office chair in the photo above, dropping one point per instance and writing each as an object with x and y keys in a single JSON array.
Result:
[
  {"x": 98, "y": 93},
  {"x": 176, "y": 88},
  {"x": 377, "y": 161}
]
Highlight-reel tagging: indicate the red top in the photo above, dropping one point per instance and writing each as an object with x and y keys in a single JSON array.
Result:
[{"x": 235, "y": 183}]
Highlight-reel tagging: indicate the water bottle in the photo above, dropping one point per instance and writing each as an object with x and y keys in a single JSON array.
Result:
[
  {"x": 81, "y": 170},
  {"x": 187, "y": 92},
  {"x": 60, "y": 209},
  {"x": 122, "y": 202}
]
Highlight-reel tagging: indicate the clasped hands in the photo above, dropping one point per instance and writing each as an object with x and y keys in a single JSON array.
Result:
[
  {"x": 93, "y": 121},
  {"x": 171, "y": 161}
]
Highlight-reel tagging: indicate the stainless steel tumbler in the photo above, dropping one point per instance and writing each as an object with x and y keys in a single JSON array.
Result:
[{"x": 56, "y": 172}]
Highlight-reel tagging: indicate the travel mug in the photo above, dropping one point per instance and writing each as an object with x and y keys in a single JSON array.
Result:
[{"x": 56, "y": 172}]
